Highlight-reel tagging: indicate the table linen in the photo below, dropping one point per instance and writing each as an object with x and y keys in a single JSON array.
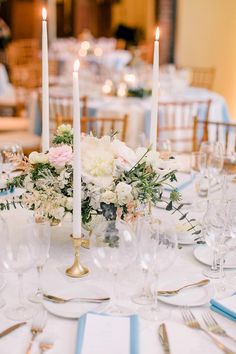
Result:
[{"x": 63, "y": 331}]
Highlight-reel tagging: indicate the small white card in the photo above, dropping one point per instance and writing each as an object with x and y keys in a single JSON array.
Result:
[{"x": 106, "y": 334}]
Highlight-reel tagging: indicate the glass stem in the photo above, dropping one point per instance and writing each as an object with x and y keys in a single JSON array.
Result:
[
  {"x": 214, "y": 266},
  {"x": 115, "y": 295},
  {"x": 20, "y": 288},
  {"x": 145, "y": 282},
  {"x": 39, "y": 271},
  {"x": 155, "y": 293}
]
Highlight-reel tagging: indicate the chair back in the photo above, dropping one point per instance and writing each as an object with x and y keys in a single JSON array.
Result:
[
  {"x": 99, "y": 126},
  {"x": 202, "y": 77},
  {"x": 61, "y": 110},
  {"x": 214, "y": 131},
  {"x": 176, "y": 121},
  {"x": 22, "y": 51}
]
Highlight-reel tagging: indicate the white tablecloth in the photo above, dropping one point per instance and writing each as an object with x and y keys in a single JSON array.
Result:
[{"x": 63, "y": 331}]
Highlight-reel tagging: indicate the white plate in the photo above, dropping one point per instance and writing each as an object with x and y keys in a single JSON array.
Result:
[
  {"x": 205, "y": 255},
  {"x": 74, "y": 309},
  {"x": 190, "y": 297}
]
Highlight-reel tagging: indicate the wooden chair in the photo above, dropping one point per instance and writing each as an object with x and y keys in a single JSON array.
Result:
[
  {"x": 214, "y": 131},
  {"x": 176, "y": 121},
  {"x": 61, "y": 110},
  {"x": 100, "y": 126},
  {"x": 17, "y": 129},
  {"x": 22, "y": 51},
  {"x": 202, "y": 77}
]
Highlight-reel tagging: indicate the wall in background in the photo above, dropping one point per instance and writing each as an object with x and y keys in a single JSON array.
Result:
[
  {"x": 206, "y": 36},
  {"x": 135, "y": 13}
]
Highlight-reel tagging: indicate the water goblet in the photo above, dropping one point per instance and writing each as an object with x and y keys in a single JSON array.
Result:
[
  {"x": 159, "y": 244},
  {"x": 11, "y": 154},
  {"x": 113, "y": 249},
  {"x": 42, "y": 234},
  {"x": 18, "y": 253},
  {"x": 214, "y": 233}
]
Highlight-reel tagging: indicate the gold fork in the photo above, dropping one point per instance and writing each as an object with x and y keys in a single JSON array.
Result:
[
  {"x": 191, "y": 321},
  {"x": 214, "y": 327},
  {"x": 44, "y": 346},
  {"x": 37, "y": 328}
]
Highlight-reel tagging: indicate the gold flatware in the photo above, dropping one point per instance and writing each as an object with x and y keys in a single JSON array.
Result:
[
  {"x": 164, "y": 338},
  {"x": 191, "y": 321},
  {"x": 38, "y": 325},
  {"x": 60, "y": 300},
  {"x": 176, "y": 291},
  {"x": 214, "y": 327},
  {"x": 44, "y": 346},
  {"x": 11, "y": 329}
]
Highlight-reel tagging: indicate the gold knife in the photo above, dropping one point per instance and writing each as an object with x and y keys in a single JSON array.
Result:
[
  {"x": 164, "y": 338},
  {"x": 11, "y": 329}
]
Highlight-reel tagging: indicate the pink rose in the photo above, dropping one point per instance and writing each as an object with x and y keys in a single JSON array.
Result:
[{"x": 60, "y": 156}]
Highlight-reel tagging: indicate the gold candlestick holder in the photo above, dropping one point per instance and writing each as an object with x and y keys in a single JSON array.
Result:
[{"x": 77, "y": 270}]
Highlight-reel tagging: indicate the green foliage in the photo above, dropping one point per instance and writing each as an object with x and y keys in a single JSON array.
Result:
[{"x": 66, "y": 138}]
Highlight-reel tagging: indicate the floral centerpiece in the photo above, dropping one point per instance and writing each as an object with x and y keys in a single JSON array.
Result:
[{"x": 116, "y": 180}]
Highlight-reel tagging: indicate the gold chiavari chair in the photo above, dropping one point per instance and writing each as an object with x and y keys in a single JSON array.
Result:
[
  {"x": 202, "y": 77},
  {"x": 176, "y": 121},
  {"x": 100, "y": 126},
  {"x": 61, "y": 110},
  {"x": 214, "y": 131}
]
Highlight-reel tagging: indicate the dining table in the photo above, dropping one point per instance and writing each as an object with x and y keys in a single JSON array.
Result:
[{"x": 62, "y": 331}]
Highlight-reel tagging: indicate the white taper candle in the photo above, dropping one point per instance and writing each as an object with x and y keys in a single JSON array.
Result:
[
  {"x": 77, "y": 154},
  {"x": 155, "y": 87},
  {"x": 45, "y": 85}
]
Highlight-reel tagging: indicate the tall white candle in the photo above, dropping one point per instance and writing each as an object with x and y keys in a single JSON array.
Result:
[
  {"x": 77, "y": 156},
  {"x": 155, "y": 86},
  {"x": 45, "y": 86}
]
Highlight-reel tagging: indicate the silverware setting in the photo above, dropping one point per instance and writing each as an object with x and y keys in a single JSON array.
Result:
[
  {"x": 11, "y": 329},
  {"x": 60, "y": 300},
  {"x": 200, "y": 283},
  {"x": 214, "y": 327},
  {"x": 37, "y": 327},
  {"x": 191, "y": 321},
  {"x": 163, "y": 336}
]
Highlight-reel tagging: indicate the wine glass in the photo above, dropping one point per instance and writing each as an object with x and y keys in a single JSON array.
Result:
[
  {"x": 113, "y": 248},
  {"x": 214, "y": 222},
  {"x": 43, "y": 235},
  {"x": 11, "y": 154},
  {"x": 215, "y": 161},
  {"x": 19, "y": 252},
  {"x": 198, "y": 175},
  {"x": 158, "y": 251}
]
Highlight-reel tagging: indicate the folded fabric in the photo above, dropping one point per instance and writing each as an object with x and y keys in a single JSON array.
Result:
[
  {"x": 182, "y": 185},
  {"x": 225, "y": 307},
  {"x": 101, "y": 333},
  {"x": 184, "y": 340}
]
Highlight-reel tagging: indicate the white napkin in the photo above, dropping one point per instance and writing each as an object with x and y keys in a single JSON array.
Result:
[{"x": 184, "y": 340}]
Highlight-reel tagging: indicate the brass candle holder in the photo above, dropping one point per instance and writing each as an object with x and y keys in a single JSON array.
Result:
[{"x": 77, "y": 270}]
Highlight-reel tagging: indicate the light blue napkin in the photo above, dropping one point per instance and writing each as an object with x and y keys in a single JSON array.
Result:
[
  {"x": 225, "y": 307},
  {"x": 134, "y": 333},
  {"x": 181, "y": 185}
]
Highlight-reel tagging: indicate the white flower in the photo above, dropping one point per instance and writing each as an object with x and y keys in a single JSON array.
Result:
[
  {"x": 123, "y": 191},
  {"x": 58, "y": 213},
  {"x": 64, "y": 128},
  {"x": 37, "y": 157},
  {"x": 123, "y": 152},
  {"x": 69, "y": 203},
  {"x": 163, "y": 167},
  {"x": 108, "y": 197}
]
